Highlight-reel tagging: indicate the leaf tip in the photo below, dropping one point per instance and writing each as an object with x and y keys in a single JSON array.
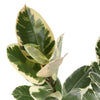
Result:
[
  {"x": 25, "y": 6},
  {"x": 62, "y": 34},
  {"x": 65, "y": 55}
]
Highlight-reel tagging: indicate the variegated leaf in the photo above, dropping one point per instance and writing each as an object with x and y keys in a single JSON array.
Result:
[
  {"x": 51, "y": 68},
  {"x": 58, "y": 47},
  {"x": 36, "y": 54},
  {"x": 22, "y": 93},
  {"x": 31, "y": 28},
  {"x": 40, "y": 92},
  {"x": 78, "y": 79},
  {"x": 22, "y": 65}
]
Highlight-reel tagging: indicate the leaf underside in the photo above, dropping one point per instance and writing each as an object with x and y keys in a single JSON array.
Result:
[{"x": 36, "y": 54}]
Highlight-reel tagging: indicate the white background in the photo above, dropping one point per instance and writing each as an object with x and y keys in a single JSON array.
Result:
[{"x": 79, "y": 20}]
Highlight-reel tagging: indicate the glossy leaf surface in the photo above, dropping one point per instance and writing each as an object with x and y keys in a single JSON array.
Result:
[
  {"x": 31, "y": 28},
  {"x": 22, "y": 65},
  {"x": 79, "y": 79}
]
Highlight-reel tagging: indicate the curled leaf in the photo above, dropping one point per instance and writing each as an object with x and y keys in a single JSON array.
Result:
[
  {"x": 58, "y": 47},
  {"x": 36, "y": 54},
  {"x": 51, "y": 68}
]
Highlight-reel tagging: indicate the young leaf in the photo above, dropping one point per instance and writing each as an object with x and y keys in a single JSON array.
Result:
[
  {"x": 58, "y": 47},
  {"x": 51, "y": 68},
  {"x": 36, "y": 54},
  {"x": 89, "y": 95},
  {"x": 79, "y": 79},
  {"x": 95, "y": 78},
  {"x": 40, "y": 92},
  {"x": 31, "y": 28},
  {"x": 22, "y": 65},
  {"x": 74, "y": 94},
  {"x": 22, "y": 93}
]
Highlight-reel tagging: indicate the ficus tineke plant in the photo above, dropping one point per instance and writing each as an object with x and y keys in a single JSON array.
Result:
[{"x": 37, "y": 57}]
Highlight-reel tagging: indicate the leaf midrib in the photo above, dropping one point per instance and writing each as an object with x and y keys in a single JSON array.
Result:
[
  {"x": 80, "y": 79},
  {"x": 32, "y": 26}
]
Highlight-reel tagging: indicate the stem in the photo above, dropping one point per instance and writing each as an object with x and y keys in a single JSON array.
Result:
[{"x": 49, "y": 80}]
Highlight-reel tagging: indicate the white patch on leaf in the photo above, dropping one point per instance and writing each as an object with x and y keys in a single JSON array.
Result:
[
  {"x": 30, "y": 79},
  {"x": 35, "y": 89}
]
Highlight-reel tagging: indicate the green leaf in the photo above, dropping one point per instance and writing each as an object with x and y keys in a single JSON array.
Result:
[
  {"x": 51, "y": 68},
  {"x": 31, "y": 28},
  {"x": 40, "y": 92},
  {"x": 89, "y": 95},
  {"x": 74, "y": 94},
  {"x": 95, "y": 78},
  {"x": 79, "y": 79},
  {"x": 98, "y": 50},
  {"x": 22, "y": 93},
  {"x": 96, "y": 89},
  {"x": 22, "y": 65},
  {"x": 58, "y": 47},
  {"x": 36, "y": 54},
  {"x": 58, "y": 86}
]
